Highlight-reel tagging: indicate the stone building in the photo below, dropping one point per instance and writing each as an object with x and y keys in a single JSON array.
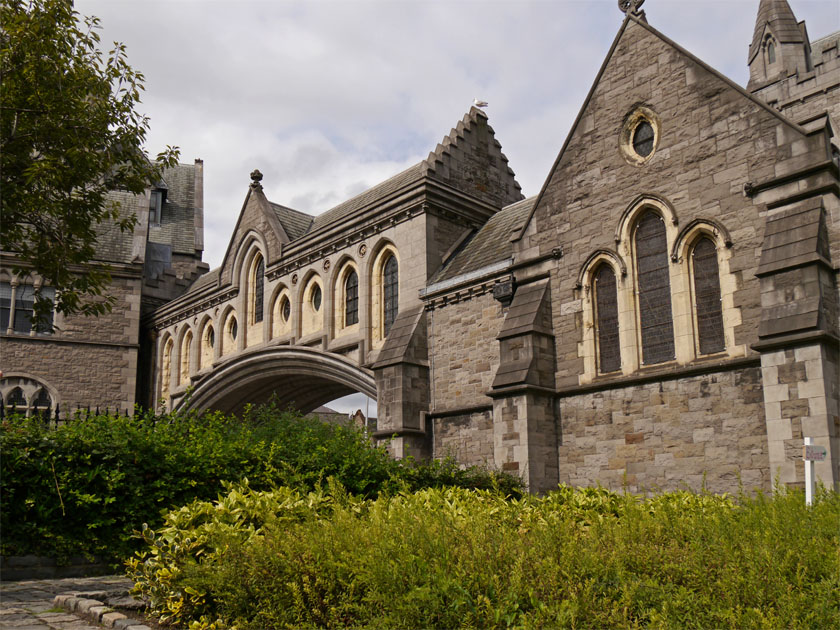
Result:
[
  {"x": 663, "y": 313},
  {"x": 94, "y": 361}
]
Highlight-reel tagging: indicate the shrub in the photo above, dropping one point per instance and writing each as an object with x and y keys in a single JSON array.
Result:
[
  {"x": 459, "y": 558},
  {"x": 84, "y": 487}
]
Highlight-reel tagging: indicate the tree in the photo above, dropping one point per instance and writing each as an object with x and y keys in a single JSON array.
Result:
[{"x": 69, "y": 134}]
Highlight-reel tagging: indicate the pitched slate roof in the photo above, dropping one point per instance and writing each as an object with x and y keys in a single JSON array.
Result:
[
  {"x": 177, "y": 224},
  {"x": 112, "y": 244},
  {"x": 822, "y": 44},
  {"x": 491, "y": 244},
  {"x": 779, "y": 16},
  {"x": 294, "y": 222}
]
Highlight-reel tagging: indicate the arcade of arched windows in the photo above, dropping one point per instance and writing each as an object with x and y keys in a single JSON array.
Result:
[
  {"x": 26, "y": 396},
  {"x": 664, "y": 295},
  {"x": 332, "y": 305}
]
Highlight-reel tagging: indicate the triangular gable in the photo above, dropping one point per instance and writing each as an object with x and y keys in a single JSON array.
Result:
[
  {"x": 258, "y": 216},
  {"x": 759, "y": 104}
]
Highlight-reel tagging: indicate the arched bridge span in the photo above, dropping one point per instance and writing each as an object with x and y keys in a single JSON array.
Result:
[{"x": 302, "y": 377}]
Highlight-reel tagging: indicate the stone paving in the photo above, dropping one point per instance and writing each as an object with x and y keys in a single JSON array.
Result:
[{"x": 32, "y": 604}]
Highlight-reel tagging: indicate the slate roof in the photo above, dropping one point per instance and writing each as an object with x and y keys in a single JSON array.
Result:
[
  {"x": 177, "y": 224},
  {"x": 112, "y": 244},
  {"x": 491, "y": 244},
  {"x": 782, "y": 22},
  {"x": 294, "y": 222},
  {"x": 391, "y": 185},
  {"x": 211, "y": 277}
]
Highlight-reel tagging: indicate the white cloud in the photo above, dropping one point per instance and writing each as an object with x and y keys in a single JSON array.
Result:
[{"x": 329, "y": 97}]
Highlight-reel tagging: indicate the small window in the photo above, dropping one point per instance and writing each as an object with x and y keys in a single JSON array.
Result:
[
  {"x": 233, "y": 328},
  {"x": 707, "y": 297},
  {"x": 606, "y": 316},
  {"x": 390, "y": 292},
  {"x": 16, "y": 400},
  {"x": 316, "y": 298},
  {"x": 211, "y": 337},
  {"x": 286, "y": 309},
  {"x": 155, "y": 206},
  {"x": 351, "y": 299},
  {"x": 42, "y": 405},
  {"x": 771, "y": 52},
  {"x": 643, "y": 139},
  {"x": 5, "y": 305},
  {"x": 259, "y": 290}
]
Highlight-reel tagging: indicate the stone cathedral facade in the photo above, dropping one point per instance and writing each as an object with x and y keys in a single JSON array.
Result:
[{"x": 663, "y": 313}]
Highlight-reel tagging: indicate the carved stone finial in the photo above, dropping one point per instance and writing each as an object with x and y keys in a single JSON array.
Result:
[
  {"x": 256, "y": 178},
  {"x": 630, "y": 6}
]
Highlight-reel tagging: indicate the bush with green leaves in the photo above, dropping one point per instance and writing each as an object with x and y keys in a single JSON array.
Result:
[
  {"x": 455, "y": 558},
  {"x": 84, "y": 487}
]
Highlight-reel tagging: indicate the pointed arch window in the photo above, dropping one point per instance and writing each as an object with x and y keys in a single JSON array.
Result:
[
  {"x": 166, "y": 369},
  {"x": 707, "y": 297},
  {"x": 42, "y": 405},
  {"x": 16, "y": 400},
  {"x": 390, "y": 292},
  {"x": 606, "y": 318},
  {"x": 259, "y": 290},
  {"x": 186, "y": 349},
  {"x": 654, "y": 290},
  {"x": 771, "y": 52},
  {"x": 351, "y": 299}
]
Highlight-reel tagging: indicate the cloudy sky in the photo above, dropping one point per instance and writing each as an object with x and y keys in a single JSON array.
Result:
[{"x": 327, "y": 98}]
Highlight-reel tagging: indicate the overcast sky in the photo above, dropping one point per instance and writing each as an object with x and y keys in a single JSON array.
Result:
[{"x": 328, "y": 98}]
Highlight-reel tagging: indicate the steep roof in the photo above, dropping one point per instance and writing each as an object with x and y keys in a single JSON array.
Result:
[
  {"x": 470, "y": 146},
  {"x": 177, "y": 223},
  {"x": 294, "y": 222},
  {"x": 778, "y": 15},
  {"x": 491, "y": 244}
]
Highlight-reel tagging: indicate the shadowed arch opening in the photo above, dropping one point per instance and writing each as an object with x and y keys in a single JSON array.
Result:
[{"x": 301, "y": 377}]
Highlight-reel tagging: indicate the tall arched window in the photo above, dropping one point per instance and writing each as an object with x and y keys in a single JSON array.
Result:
[
  {"x": 42, "y": 404},
  {"x": 390, "y": 293},
  {"x": 258, "y": 284},
  {"x": 186, "y": 349},
  {"x": 707, "y": 297},
  {"x": 654, "y": 290},
  {"x": 208, "y": 342},
  {"x": 351, "y": 299},
  {"x": 771, "y": 52},
  {"x": 606, "y": 318},
  {"x": 166, "y": 369}
]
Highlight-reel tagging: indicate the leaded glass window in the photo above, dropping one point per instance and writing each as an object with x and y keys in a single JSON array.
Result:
[
  {"x": 286, "y": 309},
  {"x": 654, "y": 290},
  {"x": 643, "y": 139},
  {"x": 707, "y": 297},
  {"x": 5, "y": 305},
  {"x": 42, "y": 403},
  {"x": 16, "y": 400},
  {"x": 316, "y": 298},
  {"x": 351, "y": 299},
  {"x": 24, "y": 304},
  {"x": 390, "y": 293},
  {"x": 259, "y": 289},
  {"x": 606, "y": 314}
]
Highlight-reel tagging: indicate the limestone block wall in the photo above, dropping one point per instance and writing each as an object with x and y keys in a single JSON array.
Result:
[
  {"x": 464, "y": 353},
  {"x": 466, "y": 437},
  {"x": 706, "y": 430}
]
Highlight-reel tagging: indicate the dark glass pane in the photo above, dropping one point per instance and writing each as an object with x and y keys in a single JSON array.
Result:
[
  {"x": 42, "y": 403},
  {"x": 643, "y": 139},
  {"x": 286, "y": 309},
  {"x": 707, "y": 297},
  {"x": 771, "y": 53},
  {"x": 391, "y": 293},
  {"x": 16, "y": 400},
  {"x": 24, "y": 300},
  {"x": 233, "y": 329},
  {"x": 654, "y": 290},
  {"x": 259, "y": 288},
  {"x": 47, "y": 325},
  {"x": 316, "y": 298},
  {"x": 351, "y": 299},
  {"x": 5, "y": 305},
  {"x": 606, "y": 305},
  {"x": 211, "y": 337}
]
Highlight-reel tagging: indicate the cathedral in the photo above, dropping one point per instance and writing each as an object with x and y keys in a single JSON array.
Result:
[{"x": 662, "y": 314}]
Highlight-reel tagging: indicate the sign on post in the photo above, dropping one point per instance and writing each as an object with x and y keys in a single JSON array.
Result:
[
  {"x": 814, "y": 453},
  {"x": 811, "y": 453}
]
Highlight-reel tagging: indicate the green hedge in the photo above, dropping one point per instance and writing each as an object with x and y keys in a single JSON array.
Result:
[
  {"x": 454, "y": 558},
  {"x": 84, "y": 487}
]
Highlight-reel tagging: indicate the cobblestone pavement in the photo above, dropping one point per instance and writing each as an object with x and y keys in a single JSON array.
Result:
[{"x": 29, "y": 604}]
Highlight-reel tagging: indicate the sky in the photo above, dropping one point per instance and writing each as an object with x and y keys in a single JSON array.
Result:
[{"x": 329, "y": 97}]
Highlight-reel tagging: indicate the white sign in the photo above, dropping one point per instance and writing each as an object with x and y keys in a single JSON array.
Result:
[{"x": 813, "y": 453}]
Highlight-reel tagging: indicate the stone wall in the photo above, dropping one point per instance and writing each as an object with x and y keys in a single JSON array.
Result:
[
  {"x": 467, "y": 437},
  {"x": 701, "y": 431},
  {"x": 464, "y": 351}
]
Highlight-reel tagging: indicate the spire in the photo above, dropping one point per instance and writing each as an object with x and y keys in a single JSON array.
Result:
[{"x": 779, "y": 44}]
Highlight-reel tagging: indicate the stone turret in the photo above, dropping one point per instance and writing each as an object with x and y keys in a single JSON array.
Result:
[{"x": 779, "y": 46}]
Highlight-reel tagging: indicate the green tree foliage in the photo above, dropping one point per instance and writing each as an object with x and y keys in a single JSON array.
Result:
[{"x": 69, "y": 134}]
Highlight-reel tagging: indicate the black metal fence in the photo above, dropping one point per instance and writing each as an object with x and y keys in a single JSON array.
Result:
[{"x": 57, "y": 416}]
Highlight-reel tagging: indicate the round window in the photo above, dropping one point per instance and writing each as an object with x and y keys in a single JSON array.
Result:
[
  {"x": 639, "y": 136},
  {"x": 316, "y": 298}
]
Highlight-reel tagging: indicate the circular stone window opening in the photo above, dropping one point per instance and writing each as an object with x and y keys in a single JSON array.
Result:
[
  {"x": 316, "y": 298},
  {"x": 639, "y": 136}
]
